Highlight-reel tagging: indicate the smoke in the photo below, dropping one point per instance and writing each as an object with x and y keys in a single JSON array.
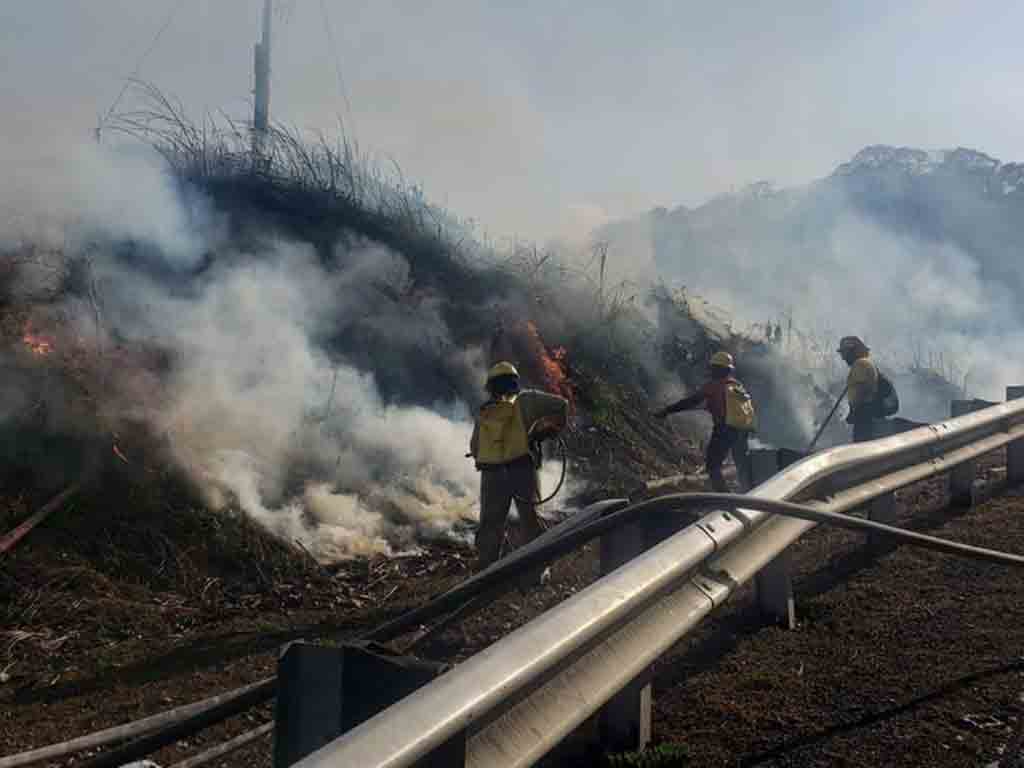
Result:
[
  {"x": 924, "y": 270},
  {"x": 263, "y": 416},
  {"x": 327, "y": 388},
  {"x": 325, "y": 394},
  {"x": 62, "y": 195}
]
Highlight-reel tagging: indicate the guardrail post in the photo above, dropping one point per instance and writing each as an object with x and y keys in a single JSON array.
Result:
[
  {"x": 962, "y": 476},
  {"x": 881, "y": 510},
  {"x": 323, "y": 692},
  {"x": 308, "y": 710},
  {"x": 1015, "y": 450},
  {"x": 773, "y": 583},
  {"x": 624, "y": 722}
]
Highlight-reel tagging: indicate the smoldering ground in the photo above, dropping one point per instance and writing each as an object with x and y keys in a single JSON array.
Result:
[
  {"x": 922, "y": 264},
  {"x": 324, "y": 395}
]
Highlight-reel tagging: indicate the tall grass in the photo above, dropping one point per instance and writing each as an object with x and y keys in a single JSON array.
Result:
[{"x": 325, "y": 188}]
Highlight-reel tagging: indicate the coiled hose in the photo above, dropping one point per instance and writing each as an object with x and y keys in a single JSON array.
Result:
[{"x": 563, "y": 451}]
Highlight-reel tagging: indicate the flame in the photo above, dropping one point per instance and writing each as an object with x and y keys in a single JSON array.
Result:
[
  {"x": 37, "y": 343},
  {"x": 553, "y": 364},
  {"x": 520, "y": 341}
]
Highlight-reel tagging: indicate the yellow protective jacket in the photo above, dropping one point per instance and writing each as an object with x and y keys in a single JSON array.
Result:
[
  {"x": 501, "y": 433},
  {"x": 862, "y": 382}
]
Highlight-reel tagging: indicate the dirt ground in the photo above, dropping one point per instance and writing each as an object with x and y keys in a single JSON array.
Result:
[{"x": 910, "y": 658}]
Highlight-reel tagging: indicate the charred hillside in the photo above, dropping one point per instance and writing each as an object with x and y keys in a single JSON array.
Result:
[
  {"x": 916, "y": 251},
  {"x": 302, "y": 341}
]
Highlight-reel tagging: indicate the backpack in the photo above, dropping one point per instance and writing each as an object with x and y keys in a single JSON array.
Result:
[
  {"x": 502, "y": 434},
  {"x": 887, "y": 402},
  {"x": 739, "y": 407}
]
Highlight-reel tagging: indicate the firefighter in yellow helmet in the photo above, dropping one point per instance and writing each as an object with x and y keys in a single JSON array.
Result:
[
  {"x": 732, "y": 413},
  {"x": 500, "y": 445},
  {"x": 861, "y": 387}
]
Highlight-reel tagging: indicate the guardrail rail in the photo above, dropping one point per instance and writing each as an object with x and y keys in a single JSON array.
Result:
[{"x": 516, "y": 700}]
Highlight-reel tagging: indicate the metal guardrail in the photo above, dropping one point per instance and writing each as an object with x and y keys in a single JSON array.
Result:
[{"x": 517, "y": 699}]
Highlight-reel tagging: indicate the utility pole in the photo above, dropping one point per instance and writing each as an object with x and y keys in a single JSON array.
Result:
[{"x": 261, "y": 62}]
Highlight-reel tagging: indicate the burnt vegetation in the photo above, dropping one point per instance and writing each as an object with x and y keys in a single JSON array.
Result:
[
  {"x": 137, "y": 585},
  {"x": 76, "y": 379}
]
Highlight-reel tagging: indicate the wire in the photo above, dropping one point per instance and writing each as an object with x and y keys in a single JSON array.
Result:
[
  {"x": 227, "y": 747},
  {"x": 843, "y": 520},
  {"x": 564, "y": 453},
  {"x": 138, "y": 65},
  {"x": 337, "y": 62},
  {"x": 203, "y": 714}
]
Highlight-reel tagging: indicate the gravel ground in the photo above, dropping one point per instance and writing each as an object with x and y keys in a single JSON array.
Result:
[{"x": 909, "y": 658}]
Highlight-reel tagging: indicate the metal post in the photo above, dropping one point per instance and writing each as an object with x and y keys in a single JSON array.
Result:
[
  {"x": 261, "y": 90},
  {"x": 308, "y": 710},
  {"x": 324, "y": 692},
  {"x": 773, "y": 583},
  {"x": 1015, "y": 450},
  {"x": 624, "y": 722},
  {"x": 882, "y": 510},
  {"x": 961, "y": 477}
]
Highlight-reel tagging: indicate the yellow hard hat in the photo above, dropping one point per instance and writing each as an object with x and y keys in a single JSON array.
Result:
[
  {"x": 501, "y": 369},
  {"x": 852, "y": 344},
  {"x": 722, "y": 360}
]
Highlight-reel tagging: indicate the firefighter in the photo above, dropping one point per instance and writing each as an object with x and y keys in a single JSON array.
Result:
[
  {"x": 861, "y": 387},
  {"x": 508, "y": 423},
  {"x": 732, "y": 412}
]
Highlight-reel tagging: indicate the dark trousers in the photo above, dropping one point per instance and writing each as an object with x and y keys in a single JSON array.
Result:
[
  {"x": 726, "y": 440},
  {"x": 498, "y": 488},
  {"x": 863, "y": 430}
]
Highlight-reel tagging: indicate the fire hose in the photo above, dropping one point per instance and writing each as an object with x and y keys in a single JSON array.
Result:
[
  {"x": 537, "y": 457},
  {"x": 536, "y": 438},
  {"x": 8, "y": 541},
  {"x": 185, "y": 721}
]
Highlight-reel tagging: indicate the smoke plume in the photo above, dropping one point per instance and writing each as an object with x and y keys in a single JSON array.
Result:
[
  {"x": 915, "y": 252},
  {"x": 317, "y": 390}
]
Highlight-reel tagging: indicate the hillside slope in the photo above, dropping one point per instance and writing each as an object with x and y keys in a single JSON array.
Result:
[{"x": 915, "y": 251}]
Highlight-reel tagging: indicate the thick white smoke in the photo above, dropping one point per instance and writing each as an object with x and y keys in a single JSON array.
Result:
[
  {"x": 255, "y": 408},
  {"x": 304, "y": 444},
  {"x": 819, "y": 264}
]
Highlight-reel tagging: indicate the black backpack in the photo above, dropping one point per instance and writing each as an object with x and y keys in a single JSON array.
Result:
[{"x": 887, "y": 402}]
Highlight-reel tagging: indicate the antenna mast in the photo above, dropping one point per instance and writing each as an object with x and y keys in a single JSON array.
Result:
[{"x": 261, "y": 62}]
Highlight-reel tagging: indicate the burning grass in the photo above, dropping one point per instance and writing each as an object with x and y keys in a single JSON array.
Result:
[
  {"x": 318, "y": 190},
  {"x": 408, "y": 325},
  {"x": 39, "y": 344}
]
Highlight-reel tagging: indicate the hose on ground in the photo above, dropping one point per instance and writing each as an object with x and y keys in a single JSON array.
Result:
[
  {"x": 232, "y": 704},
  {"x": 134, "y": 729},
  {"x": 812, "y": 514},
  {"x": 185, "y": 721},
  {"x": 227, "y": 747}
]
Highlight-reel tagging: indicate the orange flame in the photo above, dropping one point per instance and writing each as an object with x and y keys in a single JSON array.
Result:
[
  {"x": 519, "y": 341},
  {"x": 37, "y": 343},
  {"x": 553, "y": 364}
]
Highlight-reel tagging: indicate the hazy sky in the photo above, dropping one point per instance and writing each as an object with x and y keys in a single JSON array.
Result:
[{"x": 545, "y": 117}]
